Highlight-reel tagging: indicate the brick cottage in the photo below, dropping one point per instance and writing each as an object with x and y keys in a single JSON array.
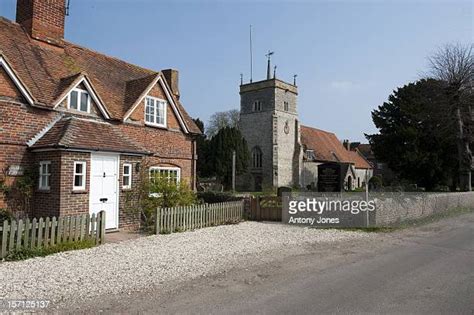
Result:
[{"x": 84, "y": 122}]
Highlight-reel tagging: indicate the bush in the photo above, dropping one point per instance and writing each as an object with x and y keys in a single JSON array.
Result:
[
  {"x": 215, "y": 197},
  {"x": 5, "y": 215},
  {"x": 159, "y": 191},
  {"x": 375, "y": 182},
  {"x": 25, "y": 253}
]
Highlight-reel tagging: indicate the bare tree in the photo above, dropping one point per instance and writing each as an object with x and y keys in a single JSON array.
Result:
[
  {"x": 454, "y": 64},
  {"x": 220, "y": 120}
]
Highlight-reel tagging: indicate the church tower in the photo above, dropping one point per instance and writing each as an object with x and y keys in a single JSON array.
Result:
[{"x": 269, "y": 123}]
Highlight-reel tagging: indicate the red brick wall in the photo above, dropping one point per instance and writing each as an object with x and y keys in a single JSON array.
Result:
[
  {"x": 129, "y": 217},
  {"x": 8, "y": 88},
  {"x": 168, "y": 146},
  {"x": 47, "y": 202},
  {"x": 18, "y": 124},
  {"x": 73, "y": 202}
]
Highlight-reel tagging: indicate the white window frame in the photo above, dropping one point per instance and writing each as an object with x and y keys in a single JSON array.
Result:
[
  {"x": 164, "y": 168},
  {"x": 47, "y": 175},
  {"x": 167, "y": 168},
  {"x": 129, "y": 176},
  {"x": 83, "y": 174},
  {"x": 156, "y": 111},
  {"x": 79, "y": 92}
]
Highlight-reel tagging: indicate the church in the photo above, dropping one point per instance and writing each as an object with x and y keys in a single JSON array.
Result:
[{"x": 283, "y": 152}]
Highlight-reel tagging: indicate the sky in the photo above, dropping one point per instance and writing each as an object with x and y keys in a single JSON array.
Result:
[{"x": 349, "y": 55}]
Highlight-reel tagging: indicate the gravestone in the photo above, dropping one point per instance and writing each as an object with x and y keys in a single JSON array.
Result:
[{"x": 330, "y": 177}]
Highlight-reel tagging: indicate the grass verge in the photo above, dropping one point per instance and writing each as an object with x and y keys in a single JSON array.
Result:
[{"x": 26, "y": 253}]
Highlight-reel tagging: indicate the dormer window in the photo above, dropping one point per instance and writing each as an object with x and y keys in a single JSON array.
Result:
[
  {"x": 79, "y": 100},
  {"x": 257, "y": 106},
  {"x": 155, "y": 111}
]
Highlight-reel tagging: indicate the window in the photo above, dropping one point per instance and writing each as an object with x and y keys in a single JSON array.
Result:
[
  {"x": 155, "y": 111},
  {"x": 170, "y": 173},
  {"x": 285, "y": 106},
  {"x": 79, "y": 176},
  {"x": 257, "y": 106},
  {"x": 44, "y": 175},
  {"x": 79, "y": 100},
  {"x": 257, "y": 157},
  {"x": 127, "y": 176}
]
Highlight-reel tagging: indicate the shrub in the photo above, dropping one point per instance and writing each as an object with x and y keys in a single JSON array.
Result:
[
  {"x": 215, "y": 197},
  {"x": 375, "y": 182},
  {"x": 25, "y": 253},
  {"x": 5, "y": 215},
  {"x": 151, "y": 194}
]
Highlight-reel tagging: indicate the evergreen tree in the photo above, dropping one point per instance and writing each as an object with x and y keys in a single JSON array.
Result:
[
  {"x": 220, "y": 151},
  {"x": 202, "y": 144},
  {"x": 415, "y": 138}
]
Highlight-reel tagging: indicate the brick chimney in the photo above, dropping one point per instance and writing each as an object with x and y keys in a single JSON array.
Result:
[
  {"x": 42, "y": 19},
  {"x": 172, "y": 78}
]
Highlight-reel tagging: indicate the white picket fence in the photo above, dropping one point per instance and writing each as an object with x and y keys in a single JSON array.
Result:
[{"x": 178, "y": 219}]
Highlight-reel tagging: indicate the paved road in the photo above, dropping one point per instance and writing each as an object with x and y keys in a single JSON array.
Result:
[{"x": 428, "y": 270}]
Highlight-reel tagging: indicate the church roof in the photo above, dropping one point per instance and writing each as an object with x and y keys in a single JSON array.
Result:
[{"x": 327, "y": 148}]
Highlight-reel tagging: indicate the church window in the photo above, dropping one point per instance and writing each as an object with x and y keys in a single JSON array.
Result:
[
  {"x": 257, "y": 157},
  {"x": 257, "y": 106},
  {"x": 286, "y": 106}
]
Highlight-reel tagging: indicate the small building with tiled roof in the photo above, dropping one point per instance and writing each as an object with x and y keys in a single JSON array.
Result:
[
  {"x": 84, "y": 122},
  {"x": 320, "y": 147}
]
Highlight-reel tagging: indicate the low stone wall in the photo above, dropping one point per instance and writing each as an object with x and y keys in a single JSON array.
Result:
[{"x": 391, "y": 211}]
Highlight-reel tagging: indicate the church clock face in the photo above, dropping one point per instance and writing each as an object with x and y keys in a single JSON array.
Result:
[{"x": 287, "y": 128}]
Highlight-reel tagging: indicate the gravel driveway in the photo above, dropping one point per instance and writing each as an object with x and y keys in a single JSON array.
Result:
[{"x": 155, "y": 261}]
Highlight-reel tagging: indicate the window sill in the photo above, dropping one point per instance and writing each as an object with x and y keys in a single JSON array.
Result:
[
  {"x": 155, "y": 125},
  {"x": 127, "y": 189},
  {"x": 82, "y": 191},
  {"x": 44, "y": 190}
]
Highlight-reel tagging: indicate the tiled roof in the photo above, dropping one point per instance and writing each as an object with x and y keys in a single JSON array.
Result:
[
  {"x": 328, "y": 148},
  {"x": 77, "y": 133},
  {"x": 366, "y": 150},
  {"x": 47, "y": 71}
]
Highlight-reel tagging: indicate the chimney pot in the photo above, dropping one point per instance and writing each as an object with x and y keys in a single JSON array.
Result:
[{"x": 42, "y": 19}]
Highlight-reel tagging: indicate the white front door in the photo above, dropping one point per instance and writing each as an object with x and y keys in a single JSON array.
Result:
[{"x": 104, "y": 187}]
